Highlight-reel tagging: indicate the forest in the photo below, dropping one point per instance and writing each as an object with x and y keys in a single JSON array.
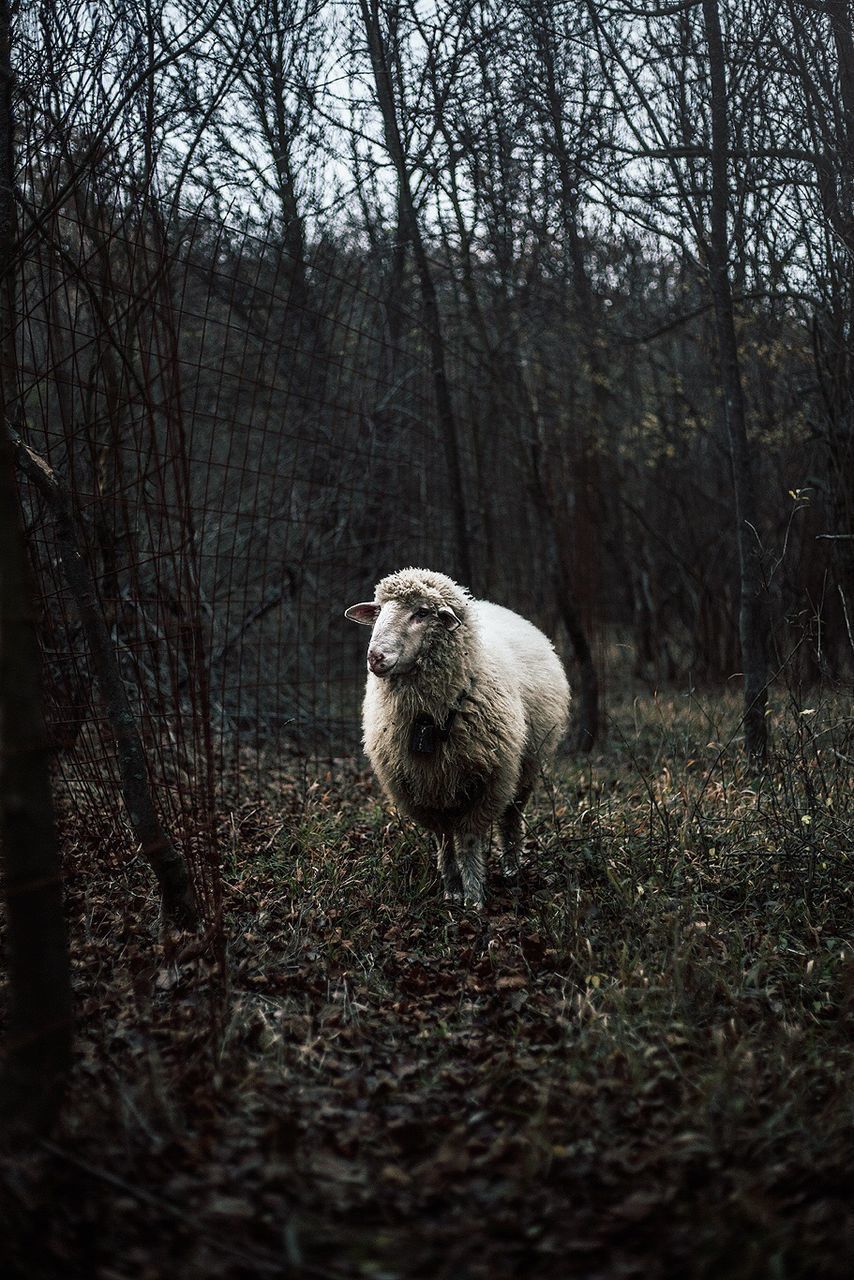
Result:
[{"x": 555, "y": 297}]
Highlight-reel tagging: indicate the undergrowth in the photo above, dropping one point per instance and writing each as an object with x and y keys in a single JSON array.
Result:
[{"x": 636, "y": 1061}]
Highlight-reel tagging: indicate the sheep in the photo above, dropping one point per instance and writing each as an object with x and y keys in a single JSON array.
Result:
[{"x": 465, "y": 700}]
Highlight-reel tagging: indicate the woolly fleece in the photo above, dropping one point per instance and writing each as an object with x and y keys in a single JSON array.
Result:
[{"x": 512, "y": 699}]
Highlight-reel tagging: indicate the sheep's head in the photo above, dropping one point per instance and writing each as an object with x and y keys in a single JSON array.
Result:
[{"x": 411, "y": 609}]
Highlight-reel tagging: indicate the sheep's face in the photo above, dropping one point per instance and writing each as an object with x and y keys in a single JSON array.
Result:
[{"x": 401, "y": 632}]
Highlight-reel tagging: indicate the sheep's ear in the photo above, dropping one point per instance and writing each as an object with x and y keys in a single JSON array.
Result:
[
  {"x": 366, "y": 614},
  {"x": 448, "y": 618}
]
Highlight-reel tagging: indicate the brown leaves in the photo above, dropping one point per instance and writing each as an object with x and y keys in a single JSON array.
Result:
[
  {"x": 572, "y": 1082},
  {"x": 511, "y": 982}
]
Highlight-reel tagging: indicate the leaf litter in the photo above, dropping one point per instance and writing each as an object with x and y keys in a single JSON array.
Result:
[{"x": 587, "y": 1079}]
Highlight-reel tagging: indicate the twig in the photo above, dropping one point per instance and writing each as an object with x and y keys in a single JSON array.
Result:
[
  {"x": 263, "y": 1261},
  {"x": 845, "y": 615}
]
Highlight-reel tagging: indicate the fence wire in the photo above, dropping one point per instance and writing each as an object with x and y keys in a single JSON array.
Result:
[{"x": 248, "y": 441}]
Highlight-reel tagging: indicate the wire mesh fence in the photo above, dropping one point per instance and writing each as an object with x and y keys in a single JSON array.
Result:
[{"x": 247, "y": 442}]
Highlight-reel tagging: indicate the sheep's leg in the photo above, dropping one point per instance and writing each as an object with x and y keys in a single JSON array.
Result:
[
  {"x": 510, "y": 831},
  {"x": 472, "y": 866},
  {"x": 510, "y": 835},
  {"x": 450, "y": 871}
]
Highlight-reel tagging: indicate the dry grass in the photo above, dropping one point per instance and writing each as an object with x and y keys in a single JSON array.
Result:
[{"x": 638, "y": 1061}]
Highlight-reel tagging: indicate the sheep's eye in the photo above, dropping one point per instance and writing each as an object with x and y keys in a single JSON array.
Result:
[{"x": 421, "y": 614}]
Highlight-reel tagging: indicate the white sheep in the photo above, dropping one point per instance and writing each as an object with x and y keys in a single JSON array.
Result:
[{"x": 465, "y": 701}]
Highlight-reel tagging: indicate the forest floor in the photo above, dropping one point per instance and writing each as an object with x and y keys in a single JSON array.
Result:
[{"x": 636, "y": 1062}]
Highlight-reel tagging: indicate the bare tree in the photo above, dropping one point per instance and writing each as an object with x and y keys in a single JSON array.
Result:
[
  {"x": 39, "y": 1029},
  {"x": 264, "y": 132},
  {"x": 677, "y": 137},
  {"x": 814, "y": 46},
  {"x": 372, "y": 24},
  {"x": 752, "y": 620}
]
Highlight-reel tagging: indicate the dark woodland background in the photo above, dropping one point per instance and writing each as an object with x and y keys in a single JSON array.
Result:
[{"x": 306, "y": 292}]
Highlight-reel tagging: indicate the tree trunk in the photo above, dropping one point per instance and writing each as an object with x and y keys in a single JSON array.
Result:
[
  {"x": 444, "y": 406},
  {"x": 166, "y": 862},
  {"x": 587, "y": 723},
  {"x": 39, "y": 1024},
  {"x": 590, "y": 425},
  {"x": 752, "y": 619}
]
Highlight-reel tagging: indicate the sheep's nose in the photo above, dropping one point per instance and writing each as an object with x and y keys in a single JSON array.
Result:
[{"x": 376, "y": 660}]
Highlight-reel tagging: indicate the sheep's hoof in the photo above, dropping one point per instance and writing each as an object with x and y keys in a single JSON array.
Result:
[{"x": 450, "y": 896}]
